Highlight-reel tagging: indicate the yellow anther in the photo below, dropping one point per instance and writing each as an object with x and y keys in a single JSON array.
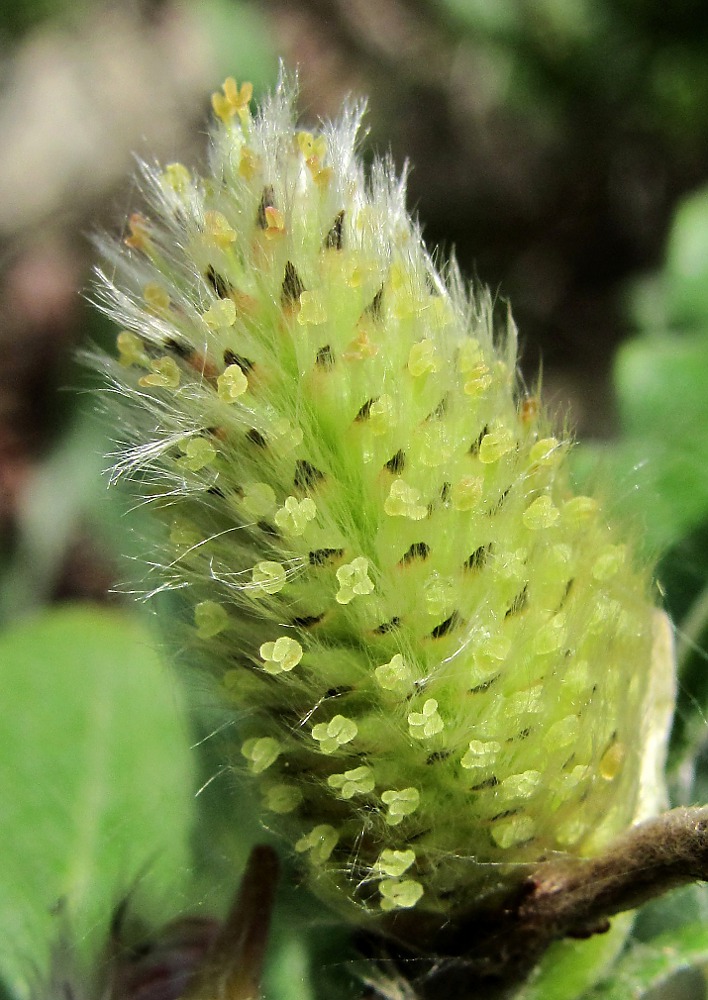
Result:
[
  {"x": 258, "y": 498},
  {"x": 165, "y": 374},
  {"x": 156, "y": 298},
  {"x": 469, "y": 356},
  {"x": 131, "y": 350},
  {"x": 404, "y": 501},
  {"x": 231, "y": 384},
  {"x": 353, "y": 580},
  {"x": 176, "y": 177},
  {"x": 395, "y": 675},
  {"x": 260, "y": 753},
  {"x": 218, "y": 230},
  {"x": 466, "y": 492},
  {"x": 282, "y": 798},
  {"x": 320, "y": 843},
  {"x": 423, "y": 358},
  {"x": 401, "y": 895},
  {"x": 480, "y": 753},
  {"x": 287, "y": 435},
  {"x": 478, "y": 380},
  {"x": 519, "y": 786},
  {"x": 320, "y": 175},
  {"x": 139, "y": 238},
  {"x": 547, "y": 451},
  {"x": 550, "y": 636},
  {"x": 221, "y": 314},
  {"x": 381, "y": 415},
  {"x": 312, "y": 311},
  {"x": 210, "y": 619},
  {"x": 334, "y": 734},
  {"x": 400, "y": 804},
  {"x": 358, "y": 781},
  {"x": 310, "y": 146},
  {"x": 609, "y": 562},
  {"x": 233, "y": 101},
  {"x": 198, "y": 453},
  {"x": 268, "y": 577},
  {"x": 281, "y": 656},
  {"x": 579, "y": 510},
  {"x": 294, "y": 516},
  {"x": 275, "y": 222},
  {"x": 394, "y": 863},
  {"x": 542, "y": 513},
  {"x": 248, "y": 163},
  {"x": 439, "y": 594},
  {"x": 512, "y": 832},
  {"x": 427, "y": 723},
  {"x": 611, "y": 761},
  {"x": 495, "y": 445},
  {"x": 562, "y": 733},
  {"x": 361, "y": 348}
]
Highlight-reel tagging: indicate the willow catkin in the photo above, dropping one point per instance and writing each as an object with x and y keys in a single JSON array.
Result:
[{"x": 441, "y": 654}]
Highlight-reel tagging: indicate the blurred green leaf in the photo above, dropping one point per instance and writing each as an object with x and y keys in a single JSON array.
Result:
[
  {"x": 97, "y": 780},
  {"x": 570, "y": 968},
  {"x": 648, "y": 967},
  {"x": 663, "y": 402}
]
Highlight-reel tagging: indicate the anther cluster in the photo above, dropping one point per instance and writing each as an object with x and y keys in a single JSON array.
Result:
[{"x": 437, "y": 650}]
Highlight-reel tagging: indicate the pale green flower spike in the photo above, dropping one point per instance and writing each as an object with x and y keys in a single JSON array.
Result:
[{"x": 441, "y": 657}]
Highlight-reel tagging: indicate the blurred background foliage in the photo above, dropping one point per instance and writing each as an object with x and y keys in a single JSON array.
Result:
[{"x": 561, "y": 148}]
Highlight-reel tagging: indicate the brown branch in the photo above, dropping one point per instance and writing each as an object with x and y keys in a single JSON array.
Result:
[
  {"x": 233, "y": 968},
  {"x": 494, "y": 949}
]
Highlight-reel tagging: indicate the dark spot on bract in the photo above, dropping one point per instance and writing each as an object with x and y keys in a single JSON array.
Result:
[
  {"x": 231, "y": 358},
  {"x": 439, "y": 755},
  {"x": 447, "y": 626},
  {"x": 333, "y": 239},
  {"x": 307, "y": 621},
  {"x": 322, "y": 557},
  {"x": 566, "y": 592},
  {"x": 478, "y": 557},
  {"x": 216, "y": 491},
  {"x": 267, "y": 201},
  {"x": 485, "y": 685},
  {"x": 439, "y": 410},
  {"x": 337, "y": 692},
  {"x": 490, "y": 782},
  {"x": 519, "y": 603},
  {"x": 365, "y": 410},
  {"x": 445, "y": 492},
  {"x": 325, "y": 357},
  {"x": 178, "y": 348},
  {"x": 292, "y": 287},
  {"x": 267, "y": 528},
  {"x": 375, "y": 307},
  {"x": 506, "y": 814},
  {"x": 256, "y": 438},
  {"x": 476, "y": 444},
  {"x": 387, "y": 626},
  {"x": 306, "y": 475},
  {"x": 221, "y": 286},
  {"x": 418, "y": 550},
  {"x": 397, "y": 462},
  {"x": 496, "y": 507}
]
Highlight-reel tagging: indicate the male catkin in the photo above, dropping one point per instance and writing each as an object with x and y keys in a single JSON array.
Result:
[{"x": 441, "y": 651}]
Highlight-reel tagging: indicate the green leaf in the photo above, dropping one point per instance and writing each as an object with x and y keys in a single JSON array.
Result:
[
  {"x": 570, "y": 968},
  {"x": 649, "y": 966},
  {"x": 661, "y": 385},
  {"x": 97, "y": 780}
]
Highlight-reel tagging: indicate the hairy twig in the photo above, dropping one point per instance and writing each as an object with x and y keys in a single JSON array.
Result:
[{"x": 497, "y": 947}]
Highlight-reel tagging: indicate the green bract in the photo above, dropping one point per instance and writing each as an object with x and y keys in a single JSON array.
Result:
[{"x": 441, "y": 655}]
